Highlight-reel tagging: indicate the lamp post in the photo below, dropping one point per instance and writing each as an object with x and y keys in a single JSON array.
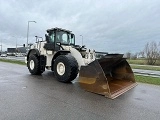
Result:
[
  {"x": 1, "y": 46},
  {"x": 16, "y": 42},
  {"x": 16, "y": 46},
  {"x": 82, "y": 39},
  {"x": 28, "y": 31}
]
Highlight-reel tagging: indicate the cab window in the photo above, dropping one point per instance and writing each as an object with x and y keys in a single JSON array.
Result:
[{"x": 52, "y": 37}]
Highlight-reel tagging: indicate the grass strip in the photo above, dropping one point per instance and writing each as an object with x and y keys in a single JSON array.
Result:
[
  {"x": 141, "y": 61},
  {"x": 13, "y": 61},
  {"x": 145, "y": 67},
  {"x": 147, "y": 79}
]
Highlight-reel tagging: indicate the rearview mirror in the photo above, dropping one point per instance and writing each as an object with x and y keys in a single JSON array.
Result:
[{"x": 72, "y": 35}]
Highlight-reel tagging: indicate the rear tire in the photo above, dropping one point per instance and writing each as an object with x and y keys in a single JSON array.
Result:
[
  {"x": 65, "y": 68},
  {"x": 33, "y": 65}
]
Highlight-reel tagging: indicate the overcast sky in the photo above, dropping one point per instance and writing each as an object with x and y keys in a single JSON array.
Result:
[{"x": 115, "y": 26}]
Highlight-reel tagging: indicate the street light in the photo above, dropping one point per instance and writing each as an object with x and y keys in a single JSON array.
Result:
[
  {"x": 28, "y": 30},
  {"x": 82, "y": 39},
  {"x": 16, "y": 41},
  {"x": 1, "y": 46}
]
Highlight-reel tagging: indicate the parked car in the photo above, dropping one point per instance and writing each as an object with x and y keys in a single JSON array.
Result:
[
  {"x": 3, "y": 55},
  {"x": 19, "y": 55}
]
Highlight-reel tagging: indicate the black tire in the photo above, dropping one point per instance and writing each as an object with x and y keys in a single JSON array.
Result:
[
  {"x": 71, "y": 68},
  {"x": 35, "y": 69}
]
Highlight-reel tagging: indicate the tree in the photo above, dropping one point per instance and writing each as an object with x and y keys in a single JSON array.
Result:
[
  {"x": 141, "y": 54},
  {"x": 151, "y": 52},
  {"x": 134, "y": 56}
]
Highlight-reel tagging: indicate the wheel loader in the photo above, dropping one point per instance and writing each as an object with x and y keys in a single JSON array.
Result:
[{"x": 109, "y": 75}]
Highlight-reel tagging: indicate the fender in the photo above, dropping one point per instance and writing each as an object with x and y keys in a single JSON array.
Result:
[
  {"x": 33, "y": 51},
  {"x": 60, "y": 52},
  {"x": 76, "y": 54}
]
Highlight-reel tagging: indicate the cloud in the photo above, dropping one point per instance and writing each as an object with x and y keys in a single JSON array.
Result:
[{"x": 114, "y": 26}]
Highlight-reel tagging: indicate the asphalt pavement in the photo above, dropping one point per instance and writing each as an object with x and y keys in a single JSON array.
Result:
[{"x": 29, "y": 97}]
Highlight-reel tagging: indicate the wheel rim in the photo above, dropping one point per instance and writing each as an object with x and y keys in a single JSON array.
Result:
[
  {"x": 31, "y": 64},
  {"x": 60, "y": 68}
]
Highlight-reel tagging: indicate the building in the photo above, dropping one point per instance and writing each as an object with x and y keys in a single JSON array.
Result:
[{"x": 13, "y": 51}]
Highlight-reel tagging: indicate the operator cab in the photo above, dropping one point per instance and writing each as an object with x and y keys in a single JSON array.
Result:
[{"x": 60, "y": 36}]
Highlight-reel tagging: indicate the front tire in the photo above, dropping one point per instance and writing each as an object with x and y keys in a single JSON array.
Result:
[
  {"x": 65, "y": 68},
  {"x": 33, "y": 65}
]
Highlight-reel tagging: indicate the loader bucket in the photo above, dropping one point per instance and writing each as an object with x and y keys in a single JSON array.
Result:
[{"x": 110, "y": 76}]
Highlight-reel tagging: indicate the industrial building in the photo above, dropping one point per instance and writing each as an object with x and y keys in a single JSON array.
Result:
[{"x": 13, "y": 51}]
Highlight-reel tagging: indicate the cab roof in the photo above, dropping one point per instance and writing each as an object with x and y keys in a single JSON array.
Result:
[{"x": 58, "y": 29}]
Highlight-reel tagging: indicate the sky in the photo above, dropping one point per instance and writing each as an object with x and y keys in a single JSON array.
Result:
[{"x": 114, "y": 26}]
